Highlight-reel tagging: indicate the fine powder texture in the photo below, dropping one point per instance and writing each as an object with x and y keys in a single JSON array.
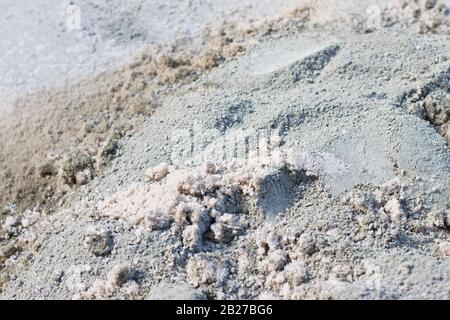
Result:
[{"x": 301, "y": 154}]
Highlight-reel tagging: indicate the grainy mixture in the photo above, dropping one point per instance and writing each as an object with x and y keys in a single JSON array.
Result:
[{"x": 302, "y": 155}]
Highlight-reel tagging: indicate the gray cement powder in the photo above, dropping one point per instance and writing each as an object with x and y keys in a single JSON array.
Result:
[{"x": 314, "y": 165}]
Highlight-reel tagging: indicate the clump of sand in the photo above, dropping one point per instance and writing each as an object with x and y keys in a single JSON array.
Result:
[
  {"x": 430, "y": 16},
  {"x": 120, "y": 280},
  {"x": 212, "y": 201},
  {"x": 431, "y": 103},
  {"x": 208, "y": 202},
  {"x": 426, "y": 16}
]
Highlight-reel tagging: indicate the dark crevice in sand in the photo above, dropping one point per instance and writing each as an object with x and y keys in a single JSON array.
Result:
[{"x": 431, "y": 103}]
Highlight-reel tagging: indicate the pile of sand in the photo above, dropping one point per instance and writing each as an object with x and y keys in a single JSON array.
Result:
[{"x": 353, "y": 203}]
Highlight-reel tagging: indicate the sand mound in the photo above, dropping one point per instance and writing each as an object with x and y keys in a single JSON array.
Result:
[
  {"x": 305, "y": 163},
  {"x": 83, "y": 121}
]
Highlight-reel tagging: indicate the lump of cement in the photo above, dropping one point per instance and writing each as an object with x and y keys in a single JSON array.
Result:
[{"x": 98, "y": 241}]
